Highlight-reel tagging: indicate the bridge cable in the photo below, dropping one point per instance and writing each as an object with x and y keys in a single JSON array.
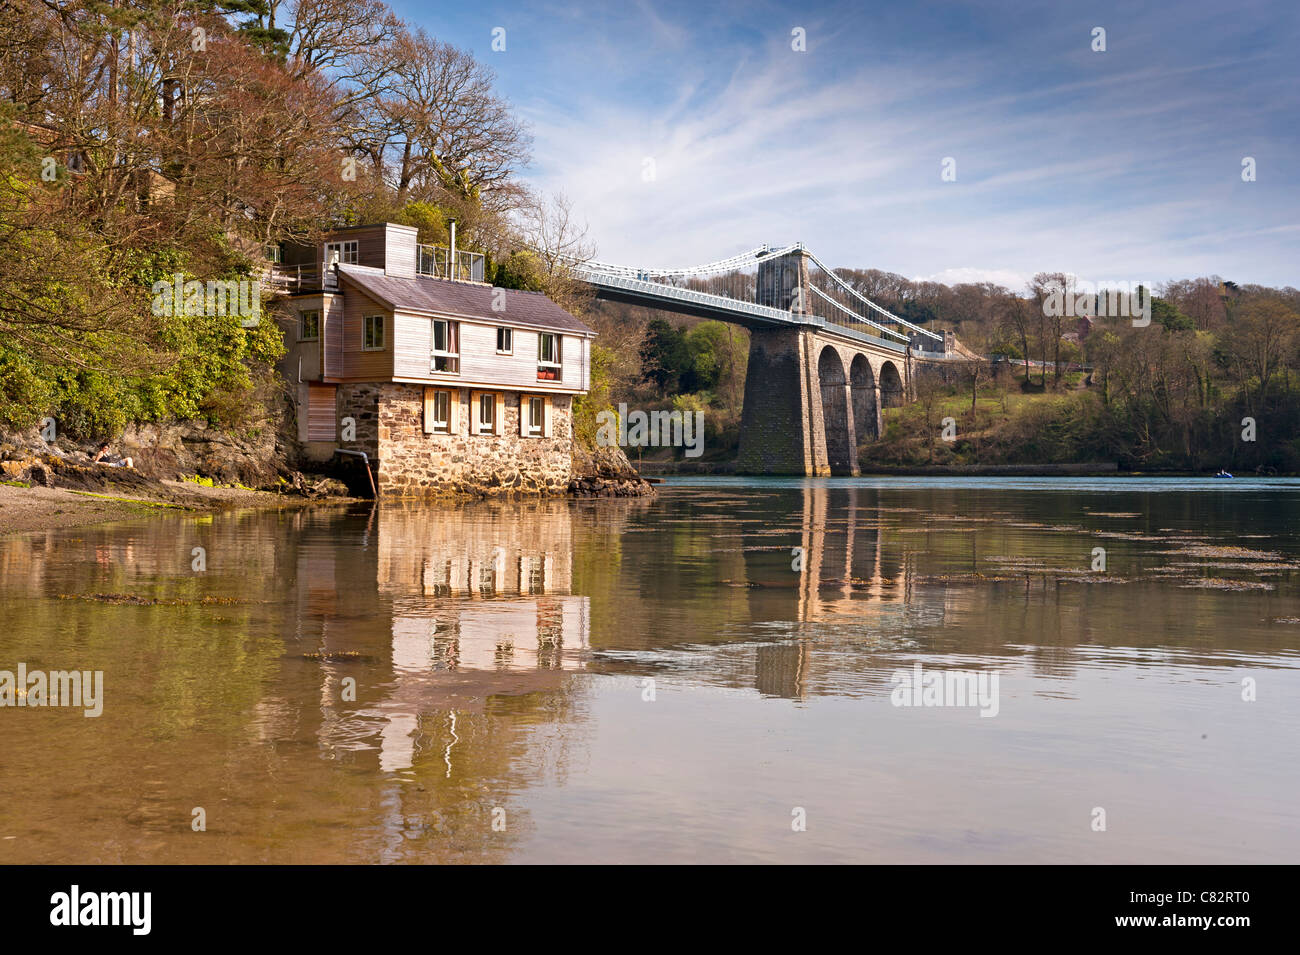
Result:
[
  {"x": 862, "y": 298},
  {"x": 849, "y": 311}
]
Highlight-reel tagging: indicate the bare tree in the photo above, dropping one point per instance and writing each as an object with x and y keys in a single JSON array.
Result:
[
  {"x": 442, "y": 129},
  {"x": 1017, "y": 318},
  {"x": 549, "y": 226}
]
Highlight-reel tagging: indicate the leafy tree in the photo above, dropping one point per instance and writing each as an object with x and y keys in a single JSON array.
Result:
[
  {"x": 1168, "y": 315},
  {"x": 665, "y": 356}
]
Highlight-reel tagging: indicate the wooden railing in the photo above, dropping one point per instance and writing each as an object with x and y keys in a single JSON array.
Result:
[{"x": 289, "y": 279}]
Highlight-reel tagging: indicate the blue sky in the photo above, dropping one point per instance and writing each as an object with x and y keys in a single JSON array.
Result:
[{"x": 1122, "y": 165}]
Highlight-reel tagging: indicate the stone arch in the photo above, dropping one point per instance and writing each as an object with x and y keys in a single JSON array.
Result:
[
  {"x": 862, "y": 385},
  {"x": 891, "y": 385},
  {"x": 835, "y": 411}
]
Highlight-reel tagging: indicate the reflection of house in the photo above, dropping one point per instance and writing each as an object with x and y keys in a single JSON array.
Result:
[
  {"x": 548, "y": 633},
  {"x": 445, "y": 552},
  {"x": 481, "y": 605},
  {"x": 432, "y": 611},
  {"x": 466, "y": 596}
]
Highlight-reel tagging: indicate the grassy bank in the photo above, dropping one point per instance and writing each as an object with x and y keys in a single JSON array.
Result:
[{"x": 1078, "y": 426}]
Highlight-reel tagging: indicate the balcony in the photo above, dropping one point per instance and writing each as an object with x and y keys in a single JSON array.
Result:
[
  {"x": 291, "y": 279},
  {"x": 435, "y": 261}
]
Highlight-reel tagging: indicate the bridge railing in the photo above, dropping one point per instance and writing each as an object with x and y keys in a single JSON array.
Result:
[{"x": 662, "y": 290}]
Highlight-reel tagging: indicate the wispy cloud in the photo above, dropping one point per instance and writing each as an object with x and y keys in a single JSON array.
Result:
[{"x": 1094, "y": 163}]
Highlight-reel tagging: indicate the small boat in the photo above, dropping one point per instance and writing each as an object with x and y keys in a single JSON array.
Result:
[{"x": 1223, "y": 474}]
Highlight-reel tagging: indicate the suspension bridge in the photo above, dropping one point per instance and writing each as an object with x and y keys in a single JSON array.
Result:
[{"x": 823, "y": 358}]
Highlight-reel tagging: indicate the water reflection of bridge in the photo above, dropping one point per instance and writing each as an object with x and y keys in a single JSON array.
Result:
[
  {"x": 479, "y": 602},
  {"x": 845, "y": 559},
  {"x": 855, "y": 572}
]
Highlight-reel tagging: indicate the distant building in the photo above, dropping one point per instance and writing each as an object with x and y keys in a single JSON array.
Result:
[
  {"x": 447, "y": 384},
  {"x": 1083, "y": 326}
]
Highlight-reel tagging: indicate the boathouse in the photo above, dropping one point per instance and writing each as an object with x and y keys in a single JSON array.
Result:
[{"x": 402, "y": 356}]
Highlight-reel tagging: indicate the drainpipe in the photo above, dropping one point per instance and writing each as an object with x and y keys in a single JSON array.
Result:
[{"x": 365, "y": 460}]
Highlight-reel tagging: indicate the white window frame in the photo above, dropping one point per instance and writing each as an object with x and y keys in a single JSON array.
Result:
[
  {"x": 347, "y": 250},
  {"x": 557, "y": 364},
  {"x": 510, "y": 340},
  {"x": 480, "y": 426},
  {"x": 452, "y": 356},
  {"x": 367, "y": 324},
  {"x": 347, "y": 255},
  {"x": 536, "y": 423},
  {"x": 302, "y": 325},
  {"x": 442, "y": 425}
]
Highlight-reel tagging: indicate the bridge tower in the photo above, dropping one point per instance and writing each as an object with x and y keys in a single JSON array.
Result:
[
  {"x": 783, "y": 282},
  {"x": 809, "y": 405},
  {"x": 815, "y": 386}
]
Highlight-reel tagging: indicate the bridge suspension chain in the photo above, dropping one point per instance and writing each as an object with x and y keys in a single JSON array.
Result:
[
  {"x": 848, "y": 311},
  {"x": 744, "y": 260},
  {"x": 862, "y": 298},
  {"x": 751, "y": 257}
]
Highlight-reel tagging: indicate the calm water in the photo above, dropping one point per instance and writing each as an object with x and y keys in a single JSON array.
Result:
[{"x": 502, "y": 655}]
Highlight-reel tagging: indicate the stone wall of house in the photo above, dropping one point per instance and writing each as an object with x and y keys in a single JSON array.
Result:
[
  {"x": 412, "y": 463},
  {"x": 360, "y": 402}
]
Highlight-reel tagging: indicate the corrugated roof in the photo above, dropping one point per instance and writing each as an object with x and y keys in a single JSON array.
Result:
[{"x": 463, "y": 300}]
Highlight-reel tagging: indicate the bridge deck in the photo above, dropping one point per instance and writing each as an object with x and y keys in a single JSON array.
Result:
[{"x": 705, "y": 305}]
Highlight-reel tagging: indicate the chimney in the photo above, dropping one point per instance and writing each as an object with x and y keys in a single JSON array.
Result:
[{"x": 451, "y": 256}]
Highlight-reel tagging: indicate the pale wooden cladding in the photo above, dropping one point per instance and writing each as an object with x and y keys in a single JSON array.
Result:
[
  {"x": 331, "y": 335},
  {"x": 387, "y": 246},
  {"x": 320, "y": 413},
  {"x": 340, "y": 354},
  {"x": 383, "y": 272},
  {"x": 479, "y": 361},
  {"x": 402, "y": 251},
  {"x": 360, "y": 364}
]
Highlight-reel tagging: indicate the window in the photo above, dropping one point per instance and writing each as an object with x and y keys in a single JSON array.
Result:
[
  {"x": 534, "y": 416},
  {"x": 548, "y": 357},
  {"x": 505, "y": 341},
  {"x": 437, "y": 411},
  {"x": 487, "y": 414},
  {"x": 441, "y": 410},
  {"x": 309, "y": 326},
  {"x": 535, "y": 407},
  {"x": 274, "y": 254},
  {"x": 446, "y": 347},
  {"x": 372, "y": 333},
  {"x": 345, "y": 253}
]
